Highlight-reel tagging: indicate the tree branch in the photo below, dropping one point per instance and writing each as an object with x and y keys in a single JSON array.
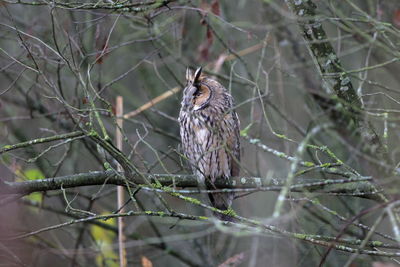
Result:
[
  {"x": 356, "y": 186},
  {"x": 345, "y": 106},
  {"x": 7, "y": 148}
]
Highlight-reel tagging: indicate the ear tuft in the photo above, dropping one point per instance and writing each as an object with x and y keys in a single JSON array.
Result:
[
  {"x": 197, "y": 74},
  {"x": 189, "y": 75}
]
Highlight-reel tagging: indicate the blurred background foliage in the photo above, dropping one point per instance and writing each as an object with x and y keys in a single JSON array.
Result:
[{"x": 58, "y": 58}]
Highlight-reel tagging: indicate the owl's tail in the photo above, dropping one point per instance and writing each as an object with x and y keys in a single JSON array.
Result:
[{"x": 222, "y": 201}]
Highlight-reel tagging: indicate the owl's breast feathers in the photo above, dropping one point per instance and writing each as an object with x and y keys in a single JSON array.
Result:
[{"x": 210, "y": 140}]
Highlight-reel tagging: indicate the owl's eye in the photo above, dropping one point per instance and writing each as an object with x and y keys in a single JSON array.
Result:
[{"x": 198, "y": 92}]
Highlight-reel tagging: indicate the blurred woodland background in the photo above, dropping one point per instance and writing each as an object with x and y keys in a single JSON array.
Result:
[{"x": 316, "y": 85}]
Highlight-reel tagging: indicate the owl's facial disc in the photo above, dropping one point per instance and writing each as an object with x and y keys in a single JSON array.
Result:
[
  {"x": 201, "y": 96},
  {"x": 196, "y": 94}
]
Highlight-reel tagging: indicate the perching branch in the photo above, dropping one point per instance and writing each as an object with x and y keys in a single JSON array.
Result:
[{"x": 357, "y": 186}]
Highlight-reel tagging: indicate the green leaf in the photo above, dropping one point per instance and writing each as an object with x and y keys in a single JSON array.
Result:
[
  {"x": 104, "y": 240},
  {"x": 36, "y": 197},
  {"x": 33, "y": 174},
  {"x": 107, "y": 258}
]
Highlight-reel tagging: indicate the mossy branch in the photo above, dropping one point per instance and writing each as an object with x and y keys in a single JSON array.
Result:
[
  {"x": 356, "y": 186},
  {"x": 345, "y": 106},
  {"x": 7, "y": 148}
]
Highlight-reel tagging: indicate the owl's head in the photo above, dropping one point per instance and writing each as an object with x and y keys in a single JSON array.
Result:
[{"x": 200, "y": 90}]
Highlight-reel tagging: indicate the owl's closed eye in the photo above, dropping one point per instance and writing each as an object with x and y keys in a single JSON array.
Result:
[{"x": 201, "y": 96}]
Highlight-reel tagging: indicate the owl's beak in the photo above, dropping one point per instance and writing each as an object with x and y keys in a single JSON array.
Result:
[{"x": 197, "y": 107}]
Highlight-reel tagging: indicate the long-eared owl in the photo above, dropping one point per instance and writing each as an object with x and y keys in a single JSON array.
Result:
[{"x": 209, "y": 129}]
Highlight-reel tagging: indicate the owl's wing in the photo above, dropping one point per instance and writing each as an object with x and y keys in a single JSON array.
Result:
[
  {"x": 189, "y": 144},
  {"x": 185, "y": 134},
  {"x": 233, "y": 143}
]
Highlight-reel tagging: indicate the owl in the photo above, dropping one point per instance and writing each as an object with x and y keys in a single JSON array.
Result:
[{"x": 209, "y": 129}]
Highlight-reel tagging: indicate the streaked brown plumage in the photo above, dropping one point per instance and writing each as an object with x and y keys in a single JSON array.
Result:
[{"x": 209, "y": 129}]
